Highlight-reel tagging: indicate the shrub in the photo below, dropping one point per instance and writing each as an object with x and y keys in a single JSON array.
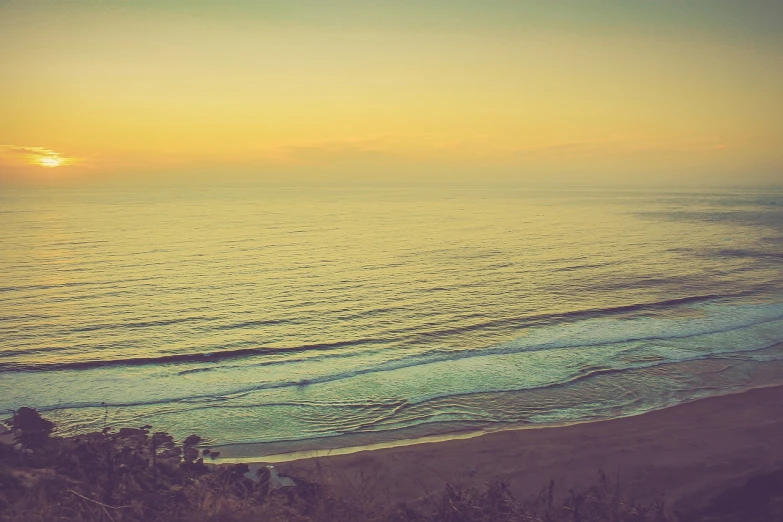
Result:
[{"x": 31, "y": 430}]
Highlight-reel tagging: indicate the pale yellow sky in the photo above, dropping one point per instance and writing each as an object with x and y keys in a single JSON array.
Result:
[{"x": 107, "y": 90}]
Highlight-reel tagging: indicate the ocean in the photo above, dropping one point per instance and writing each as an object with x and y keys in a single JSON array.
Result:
[{"x": 280, "y": 319}]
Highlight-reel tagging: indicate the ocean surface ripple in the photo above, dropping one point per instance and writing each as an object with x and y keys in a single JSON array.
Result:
[{"x": 301, "y": 318}]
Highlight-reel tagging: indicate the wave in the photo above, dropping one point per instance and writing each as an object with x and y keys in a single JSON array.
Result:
[
  {"x": 246, "y": 324},
  {"x": 138, "y": 324},
  {"x": 589, "y": 313},
  {"x": 529, "y": 321},
  {"x": 749, "y": 253},
  {"x": 728, "y": 252},
  {"x": 43, "y": 287},
  {"x": 179, "y": 358},
  {"x": 582, "y": 374},
  {"x": 196, "y": 403},
  {"x": 71, "y": 284}
]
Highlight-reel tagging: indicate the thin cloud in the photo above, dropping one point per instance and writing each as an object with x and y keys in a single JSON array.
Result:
[
  {"x": 35, "y": 151},
  {"x": 21, "y": 155}
]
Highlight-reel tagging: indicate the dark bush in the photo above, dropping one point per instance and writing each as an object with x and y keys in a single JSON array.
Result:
[{"x": 31, "y": 430}]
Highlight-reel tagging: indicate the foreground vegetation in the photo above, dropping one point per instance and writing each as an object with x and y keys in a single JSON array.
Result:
[{"x": 140, "y": 475}]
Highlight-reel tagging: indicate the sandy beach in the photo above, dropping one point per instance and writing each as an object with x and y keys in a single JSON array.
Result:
[{"x": 687, "y": 453}]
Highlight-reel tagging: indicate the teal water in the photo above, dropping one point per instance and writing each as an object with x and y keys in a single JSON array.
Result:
[{"x": 309, "y": 318}]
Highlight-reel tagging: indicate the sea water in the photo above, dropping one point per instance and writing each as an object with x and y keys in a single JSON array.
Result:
[{"x": 302, "y": 318}]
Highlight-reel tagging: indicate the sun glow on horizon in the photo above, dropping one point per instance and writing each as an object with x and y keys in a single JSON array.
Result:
[{"x": 50, "y": 161}]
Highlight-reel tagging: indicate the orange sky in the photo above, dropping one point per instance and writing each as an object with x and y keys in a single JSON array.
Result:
[{"x": 510, "y": 91}]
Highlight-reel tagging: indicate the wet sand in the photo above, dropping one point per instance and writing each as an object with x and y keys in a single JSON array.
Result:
[{"x": 687, "y": 452}]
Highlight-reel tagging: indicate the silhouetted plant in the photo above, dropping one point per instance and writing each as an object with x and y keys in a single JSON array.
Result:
[
  {"x": 31, "y": 430},
  {"x": 161, "y": 439},
  {"x": 190, "y": 454}
]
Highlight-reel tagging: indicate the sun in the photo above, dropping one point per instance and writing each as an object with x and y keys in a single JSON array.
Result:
[{"x": 50, "y": 161}]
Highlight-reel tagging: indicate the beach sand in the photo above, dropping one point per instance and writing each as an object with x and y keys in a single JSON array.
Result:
[{"x": 687, "y": 452}]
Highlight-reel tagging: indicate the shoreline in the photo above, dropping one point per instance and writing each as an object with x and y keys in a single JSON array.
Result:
[
  {"x": 233, "y": 454},
  {"x": 681, "y": 452},
  {"x": 715, "y": 455}
]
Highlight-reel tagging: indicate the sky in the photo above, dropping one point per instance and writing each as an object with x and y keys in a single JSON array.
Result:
[{"x": 569, "y": 91}]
